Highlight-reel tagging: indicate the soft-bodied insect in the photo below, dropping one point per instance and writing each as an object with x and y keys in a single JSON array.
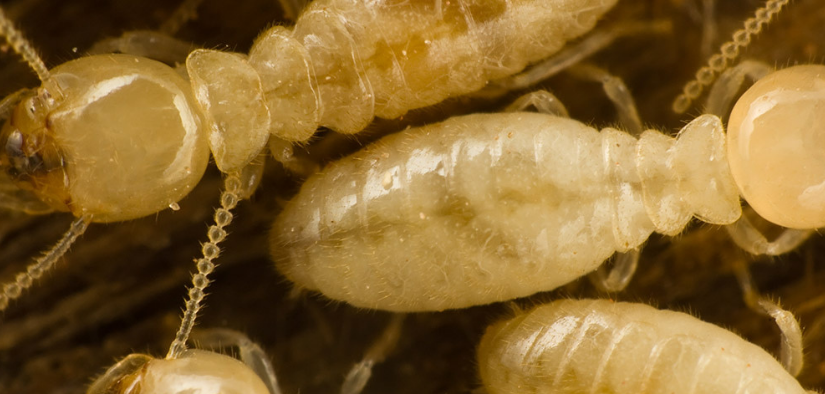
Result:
[
  {"x": 605, "y": 346},
  {"x": 486, "y": 208},
  {"x": 202, "y": 371},
  {"x": 117, "y": 137}
]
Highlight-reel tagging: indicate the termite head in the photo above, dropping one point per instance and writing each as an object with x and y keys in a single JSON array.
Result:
[
  {"x": 196, "y": 371},
  {"x": 29, "y": 155},
  {"x": 116, "y": 137},
  {"x": 776, "y": 146}
]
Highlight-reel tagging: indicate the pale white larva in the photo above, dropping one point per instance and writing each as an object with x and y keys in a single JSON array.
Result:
[
  {"x": 604, "y": 346},
  {"x": 490, "y": 207}
]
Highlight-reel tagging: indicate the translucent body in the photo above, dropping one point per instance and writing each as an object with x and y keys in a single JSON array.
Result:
[
  {"x": 777, "y": 146},
  {"x": 599, "y": 346},
  {"x": 85, "y": 149},
  {"x": 486, "y": 208},
  {"x": 123, "y": 137},
  {"x": 347, "y": 61},
  {"x": 195, "y": 372}
]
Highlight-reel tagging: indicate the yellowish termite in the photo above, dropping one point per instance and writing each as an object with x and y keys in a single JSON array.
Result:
[
  {"x": 203, "y": 371},
  {"x": 118, "y": 137},
  {"x": 486, "y": 208},
  {"x": 604, "y": 346}
]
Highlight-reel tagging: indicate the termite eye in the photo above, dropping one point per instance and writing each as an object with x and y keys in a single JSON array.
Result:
[
  {"x": 21, "y": 164},
  {"x": 14, "y": 145}
]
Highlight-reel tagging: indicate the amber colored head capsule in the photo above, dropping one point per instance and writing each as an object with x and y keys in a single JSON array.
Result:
[
  {"x": 122, "y": 142},
  {"x": 776, "y": 146}
]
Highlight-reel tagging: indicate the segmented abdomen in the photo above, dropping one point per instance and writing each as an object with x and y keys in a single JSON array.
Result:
[
  {"x": 598, "y": 346},
  {"x": 347, "y": 61},
  {"x": 476, "y": 209},
  {"x": 491, "y": 207}
]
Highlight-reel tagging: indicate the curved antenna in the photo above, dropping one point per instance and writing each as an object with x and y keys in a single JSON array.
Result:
[
  {"x": 728, "y": 52},
  {"x": 24, "y": 280},
  {"x": 216, "y": 233},
  {"x": 23, "y": 47}
]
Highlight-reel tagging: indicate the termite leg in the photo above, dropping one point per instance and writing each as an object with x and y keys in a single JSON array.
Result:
[
  {"x": 747, "y": 237},
  {"x": 791, "y": 355},
  {"x": 250, "y": 176},
  {"x": 542, "y": 100},
  {"x": 289, "y": 155},
  {"x": 159, "y": 45},
  {"x": 250, "y": 353},
  {"x": 145, "y": 43},
  {"x": 360, "y": 373},
  {"x": 575, "y": 53},
  {"x": 729, "y": 83},
  {"x": 616, "y": 278},
  {"x": 616, "y": 91},
  {"x": 727, "y": 53}
]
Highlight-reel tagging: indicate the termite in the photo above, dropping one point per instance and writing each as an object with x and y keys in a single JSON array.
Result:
[
  {"x": 606, "y": 346},
  {"x": 117, "y": 137},
  {"x": 195, "y": 370},
  {"x": 490, "y": 207}
]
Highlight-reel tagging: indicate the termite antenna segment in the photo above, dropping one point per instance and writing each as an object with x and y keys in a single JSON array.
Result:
[
  {"x": 24, "y": 280},
  {"x": 216, "y": 233},
  {"x": 728, "y": 52},
  {"x": 22, "y": 46}
]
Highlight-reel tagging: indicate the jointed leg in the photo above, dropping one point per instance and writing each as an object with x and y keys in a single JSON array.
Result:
[
  {"x": 577, "y": 52},
  {"x": 542, "y": 100},
  {"x": 747, "y": 237},
  {"x": 730, "y": 83},
  {"x": 151, "y": 44},
  {"x": 616, "y": 278},
  {"x": 791, "y": 354},
  {"x": 616, "y": 91},
  {"x": 360, "y": 373},
  {"x": 250, "y": 353}
]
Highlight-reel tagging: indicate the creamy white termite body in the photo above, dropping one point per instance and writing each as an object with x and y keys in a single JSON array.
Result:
[
  {"x": 110, "y": 128},
  {"x": 347, "y": 61},
  {"x": 118, "y": 137},
  {"x": 486, "y": 208},
  {"x": 595, "y": 346}
]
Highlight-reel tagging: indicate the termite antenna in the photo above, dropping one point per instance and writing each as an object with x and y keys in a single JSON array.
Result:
[
  {"x": 22, "y": 46},
  {"x": 727, "y": 53},
  {"x": 216, "y": 233},
  {"x": 24, "y": 280}
]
